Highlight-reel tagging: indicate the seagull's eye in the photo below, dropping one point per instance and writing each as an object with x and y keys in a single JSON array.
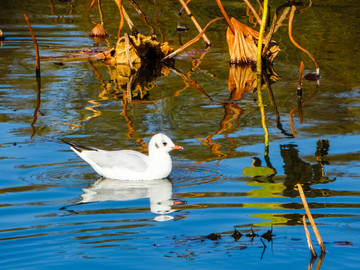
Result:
[{"x": 164, "y": 143}]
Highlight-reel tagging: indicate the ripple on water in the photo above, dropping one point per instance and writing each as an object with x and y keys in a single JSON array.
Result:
[{"x": 193, "y": 174}]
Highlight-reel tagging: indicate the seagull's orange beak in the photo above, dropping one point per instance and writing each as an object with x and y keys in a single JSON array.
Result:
[
  {"x": 177, "y": 147},
  {"x": 179, "y": 202}
]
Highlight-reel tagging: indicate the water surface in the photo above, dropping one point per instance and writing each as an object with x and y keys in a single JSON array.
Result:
[{"x": 57, "y": 212}]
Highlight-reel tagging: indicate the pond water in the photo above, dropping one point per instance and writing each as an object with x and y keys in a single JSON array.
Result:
[{"x": 57, "y": 212}]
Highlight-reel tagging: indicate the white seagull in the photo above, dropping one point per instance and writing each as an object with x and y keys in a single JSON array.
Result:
[{"x": 128, "y": 164}]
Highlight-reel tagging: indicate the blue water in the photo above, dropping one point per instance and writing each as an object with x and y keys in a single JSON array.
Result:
[{"x": 56, "y": 212}]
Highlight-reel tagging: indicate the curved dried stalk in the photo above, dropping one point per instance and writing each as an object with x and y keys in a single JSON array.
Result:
[
  {"x": 293, "y": 8},
  {"x": 254, "y": 11},
  {"x": 171, "y": 55}
]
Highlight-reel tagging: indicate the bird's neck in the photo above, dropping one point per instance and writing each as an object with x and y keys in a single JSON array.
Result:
[{"x": 160, "y": 164}]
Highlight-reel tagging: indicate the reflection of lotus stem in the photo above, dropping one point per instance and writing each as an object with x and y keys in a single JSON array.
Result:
[
  {"x": 263, "y": 120},
  {"x": 258, "y": 69}
]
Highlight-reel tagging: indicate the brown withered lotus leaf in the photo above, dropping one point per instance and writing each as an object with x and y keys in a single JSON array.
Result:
[
  {"x": 141, "y": 48},
  {"x": 243, "y": 44}
]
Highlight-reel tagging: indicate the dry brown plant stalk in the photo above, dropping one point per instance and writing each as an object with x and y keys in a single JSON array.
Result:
[
  {"x": 277, "y": 22},
  {"x": 198, "y": 27},
  {"x": 183, "y": 47},
  {"x": 300, "y": 81},
  {"x": 312, "y": 222},
  {"x": 124, "y": 15},
  {"x": 223, "y": 12},
  {"x": 121, "y": 24},
  {"x": 142, "y": 15},
  {"x": 312, "y": 250},
  {"x": 37, "y": 57}
]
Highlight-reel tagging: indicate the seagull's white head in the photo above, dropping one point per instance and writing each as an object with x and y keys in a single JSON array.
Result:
[{"x": 161, "y": 142}]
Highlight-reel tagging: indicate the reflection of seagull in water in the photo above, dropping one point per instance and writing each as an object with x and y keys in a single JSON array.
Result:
[
  {"x": 256, "y": 162},
  {"x": 158, "y": 191},
  {"x": 128, "y": 164}
]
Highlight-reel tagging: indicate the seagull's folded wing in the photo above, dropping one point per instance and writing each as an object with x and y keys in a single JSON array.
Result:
[{"x": 123, "y": 159}]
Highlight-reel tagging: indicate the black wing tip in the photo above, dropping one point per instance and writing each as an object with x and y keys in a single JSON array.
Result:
[{"x": 78, "y": 147}]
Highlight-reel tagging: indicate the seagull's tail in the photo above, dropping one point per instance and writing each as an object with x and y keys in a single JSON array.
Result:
[{"x": 79, "y": 148}]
